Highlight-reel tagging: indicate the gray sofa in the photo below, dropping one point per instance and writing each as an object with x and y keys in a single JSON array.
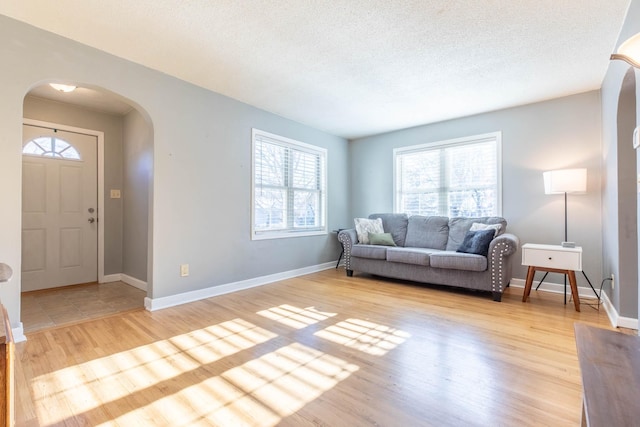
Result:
[{"x": 426, "y": 251}]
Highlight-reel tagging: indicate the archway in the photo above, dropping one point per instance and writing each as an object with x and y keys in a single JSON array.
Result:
[{"x": 125, "y": 171}]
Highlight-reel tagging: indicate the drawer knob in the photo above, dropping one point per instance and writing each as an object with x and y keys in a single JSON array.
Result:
[{"x": 549, "y": 258}]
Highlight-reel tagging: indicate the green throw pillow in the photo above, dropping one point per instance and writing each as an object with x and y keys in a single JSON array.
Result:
[{"x": 382, "y": 239}]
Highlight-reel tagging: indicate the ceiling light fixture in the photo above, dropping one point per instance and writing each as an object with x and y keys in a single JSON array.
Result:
[
  {"x": 63, "y": 88},
  {"x": 629, "y": 51}
]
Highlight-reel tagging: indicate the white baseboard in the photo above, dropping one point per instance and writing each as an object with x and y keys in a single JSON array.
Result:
[
  {"x": 136, "y": 283},
  {"x": 615, "y": 319},
  {"x": 584, "y": 292},
  {"x": 121, "y": 277},
  {"x": 18, "y": 333},
  {"x": 611, "y": 311},
  {"x": 556, "y": 288},
  {"x": 111, "y": 278},
  {"x": 153, "y": 304}
]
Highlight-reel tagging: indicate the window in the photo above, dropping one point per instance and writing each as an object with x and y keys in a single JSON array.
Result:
[
  {"x": 49, "y": 146},
  {"x": 453, "y": 178},
  {"x": 289, "y": 187}
]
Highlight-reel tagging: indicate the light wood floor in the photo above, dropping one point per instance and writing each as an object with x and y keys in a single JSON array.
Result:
[
  {"x": 319, "y": 350},
  {"x": 71, "y": 304}
]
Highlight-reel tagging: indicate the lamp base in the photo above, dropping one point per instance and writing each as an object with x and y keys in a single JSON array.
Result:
[{"x": 568, "y": 244}]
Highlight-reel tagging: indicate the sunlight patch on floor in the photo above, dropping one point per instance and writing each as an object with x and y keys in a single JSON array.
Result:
[
  {"x": 260, "y": 392},
  {"x": 119, "y": 375},
  {"x": 295, "y": 317},
  {"x": 187, "y": 380},
  {"x": 368, "y": 337},
  {"x": 264, "y": 390}
]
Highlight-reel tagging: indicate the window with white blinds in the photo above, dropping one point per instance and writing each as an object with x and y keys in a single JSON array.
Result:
[
  {"x": 289, "y": 187},
  {"x": 460, "y": 177}
]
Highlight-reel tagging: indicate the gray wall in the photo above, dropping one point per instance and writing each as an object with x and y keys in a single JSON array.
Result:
[
  {"x": 111, "y": 125},
  {"x": 200, "y": 198},
  {"x": 627, "y": 200},
  {"x": 560, "y": 133},
  {"x": 138, "y": 172},
  {"x": 619, "y": 233}
]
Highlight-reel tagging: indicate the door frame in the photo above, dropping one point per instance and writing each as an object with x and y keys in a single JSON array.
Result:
[{"x": 100, "y": 151}]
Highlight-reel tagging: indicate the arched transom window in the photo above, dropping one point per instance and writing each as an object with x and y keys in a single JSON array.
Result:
[{"x": 50, "y": 146}]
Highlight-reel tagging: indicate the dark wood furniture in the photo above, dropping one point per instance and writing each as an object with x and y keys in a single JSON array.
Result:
[
  {"x": 6, "y": 370},
  {"x": 610, "y": 369},
  {"x": 572, "y": 282}
]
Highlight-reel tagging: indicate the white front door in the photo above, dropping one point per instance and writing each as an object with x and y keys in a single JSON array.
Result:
[{"x": 59, "y": 208}]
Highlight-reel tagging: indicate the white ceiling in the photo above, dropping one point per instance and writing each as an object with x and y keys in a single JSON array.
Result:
[{"x": 354, "y": 67}]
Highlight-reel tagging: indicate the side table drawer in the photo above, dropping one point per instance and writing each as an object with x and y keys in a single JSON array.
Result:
[{"x": 552, "y": 259}]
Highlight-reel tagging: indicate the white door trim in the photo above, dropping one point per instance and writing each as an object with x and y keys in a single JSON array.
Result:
[{"x": 100, "y": 136}]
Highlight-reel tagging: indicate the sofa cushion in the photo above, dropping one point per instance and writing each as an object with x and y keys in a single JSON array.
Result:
[
  {"x": 369, "y": 251},
  {"x": 396, "y": 224},
  {"x": 459, "y": 226},
  {"x": 382, "y": 239},
  {"x": 365, "y": 226},
  {"x": 458, "y": 261},
  {"x": 477, "y": 242},
  {"x": 417, "y": 256},
  {"x": 427, "y": 232}
]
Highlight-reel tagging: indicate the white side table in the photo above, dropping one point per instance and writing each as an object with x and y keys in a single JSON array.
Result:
[{"x": 554, "y": 259}]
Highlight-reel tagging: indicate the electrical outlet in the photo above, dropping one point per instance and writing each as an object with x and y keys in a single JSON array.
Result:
[
  {"x": 184, "y": 270},
  {"x": 613, "y": 281}
]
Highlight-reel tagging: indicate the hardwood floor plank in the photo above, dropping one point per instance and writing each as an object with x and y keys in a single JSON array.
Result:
[{"x": 321, "y": 350}]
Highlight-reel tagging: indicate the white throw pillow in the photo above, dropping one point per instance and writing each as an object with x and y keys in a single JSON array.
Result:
[
  {"x": 479, "y": 226},
  {"x": 364, "y": 226}
]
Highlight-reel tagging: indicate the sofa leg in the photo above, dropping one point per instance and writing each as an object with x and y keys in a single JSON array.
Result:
[
  {"x": 497, "y": 296},
  {"x": 349, "y": 273}
]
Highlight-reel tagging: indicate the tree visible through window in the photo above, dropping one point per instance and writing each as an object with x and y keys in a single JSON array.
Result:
[
  {"x": 289, "y": 191},
  {"x": 450, "y": 178},
  {"x": 50, "y": 146}
]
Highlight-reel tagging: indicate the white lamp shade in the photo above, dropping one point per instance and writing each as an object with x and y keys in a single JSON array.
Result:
[
  {"x": 629, "y": 51},
  {"x": 565, "y": 181}
]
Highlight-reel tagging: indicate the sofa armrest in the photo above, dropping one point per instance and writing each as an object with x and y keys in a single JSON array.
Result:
[
  {"x": 347, "y": 238},
  {"x": 501, "y": 250}
]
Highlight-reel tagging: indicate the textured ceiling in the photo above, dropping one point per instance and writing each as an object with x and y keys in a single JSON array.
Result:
[{"x": 354, "y": 67}]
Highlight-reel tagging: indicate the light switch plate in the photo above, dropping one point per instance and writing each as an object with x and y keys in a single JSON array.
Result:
[
  {"x": 115, "y": 194},
  {"x": 184, "y": 270}
]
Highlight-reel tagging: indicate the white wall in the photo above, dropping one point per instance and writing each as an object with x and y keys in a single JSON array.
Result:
[
  {"x": 200, "y": 195},
  {"x": 555, "y": 134}
]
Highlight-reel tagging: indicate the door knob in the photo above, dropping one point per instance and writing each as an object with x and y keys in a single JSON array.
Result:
[{"x": 91, "y": 220}]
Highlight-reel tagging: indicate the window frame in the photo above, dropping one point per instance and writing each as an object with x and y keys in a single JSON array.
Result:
[
  {"x": 437, "y": 145},
  {"x": 290, "y": 231},
  {"x": 54, "y": 154}
]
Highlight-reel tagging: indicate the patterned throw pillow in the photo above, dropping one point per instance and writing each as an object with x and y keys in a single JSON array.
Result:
[
  {"x": 364, "y": 226},
  {"x": 476, "y": 226}
]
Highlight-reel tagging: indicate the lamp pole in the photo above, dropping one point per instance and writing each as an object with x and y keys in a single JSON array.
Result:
[{"x": 565, "y": 216}]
